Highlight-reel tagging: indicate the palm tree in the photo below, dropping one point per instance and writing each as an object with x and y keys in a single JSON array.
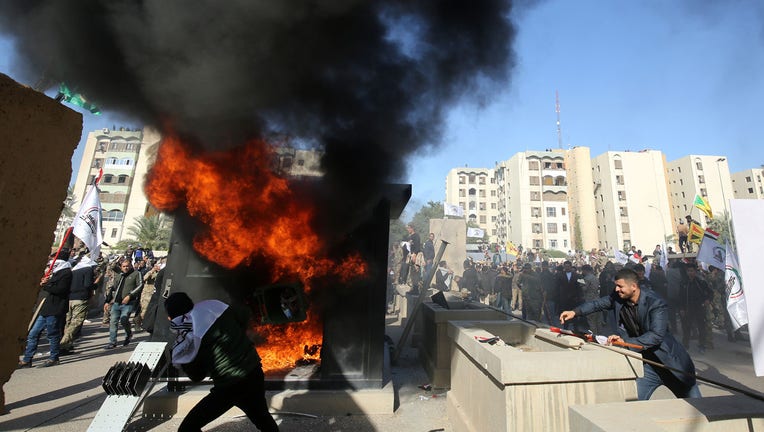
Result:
[{"x": 151, "y": 232}]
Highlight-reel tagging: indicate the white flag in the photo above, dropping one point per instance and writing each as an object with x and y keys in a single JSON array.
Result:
[
  {"x": 87, "y": 224},
  {"x": 452, "y": 210},
  {"x": 620, "y": 257},
  {"x": 735, "y": 296},
  {"x": 664, "y": 257},
  {"x": 475, "y": 232},
  {"x": 711, "y": 252}
]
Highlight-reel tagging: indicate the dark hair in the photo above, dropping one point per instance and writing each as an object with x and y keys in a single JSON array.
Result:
[
  {"x": 587, "y": 267},
  {"x": 177, "y": 304},
  {"x": 627, "y": 275},
  {"x": 638, "y": 267}
]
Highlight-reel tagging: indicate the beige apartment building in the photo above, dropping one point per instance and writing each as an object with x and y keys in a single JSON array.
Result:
[
  {"x": 748, "y": 184},
  {"x": 631, "y": 200},
  {"x": 706, "y": 176},
  {"x": 474, "y": 190},
  {"x": 125, "y": 156},
  {"x": 533, "y": 200}
]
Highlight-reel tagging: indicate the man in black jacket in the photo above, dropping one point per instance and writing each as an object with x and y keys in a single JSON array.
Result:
[
  {"x": 55, "y": 302},
  {"x": 121, "y": 300}
]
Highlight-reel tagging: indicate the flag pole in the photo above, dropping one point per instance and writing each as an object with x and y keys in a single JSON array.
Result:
[{"x": 67, "y": 234}]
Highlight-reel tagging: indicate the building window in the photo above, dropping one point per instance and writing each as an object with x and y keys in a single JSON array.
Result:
[
  {"x": 130, "y": 146},
  {"x": 300, "y": 162},
  {"x": 565, "y": 243},
  {"x": 113, "y": 216},
  {"x": 699, "y": 165},
  {"x": 562, "y": 211},
  {"x": 111, "y": 161},
  {"x": 750, "y": 190},
  {"x": 621, "y": 196},
  {"x": 462, "y": 193},
  {"x": 535, "y": 196},
  {"x": 493, "y": 232},
  {"x": 482, "y": 220},
  {"x": 681, "y": 182},
  {"x": 564, "y": 227},
  {"x": 122, "y": 179},
  {"x": 625, "y": 227},
  {"x": 553, "y": 244},
  {"x": 481, "y": 206},
  {"x": 97, "y": 163},
  {"x": 462, "y": 205},
  {"x": 108, "y": 178},
  {"x": 533, "y": 165},
  {"x": 533, "y": 180},
  {"x": 493, "y": 206},
  {"x": 551, "y": 212},
  {"x": 535, "y": 211},
  {"x": 493, "y": 193},
  {"x": 462, "y": 180},
  {"x": 493, "y": 218},
  {"x": 473, "y": 206},
  {"x": 472, "y": 178},
  {"x": 548, "y": 181},
  {"x": 536, "y": 228},
  {"x": 481, "y": 193},
  {"x": 618, "y": 164},
  {"x": 683, "y": 195},
  {"x": 481, "y": 180},
  {"x": 113, "y": 233},
  {"x": 748, "y": 179},
  {"x": 551, "y": 228},
  {"x": 679, "y": 170},
  {"x": 703, "y": 192},
  {"x": 619, "y": 180},
  {"x": 624, "y": 211},
  {"x": 102, "y": 146},
  {"x": 113, "y": 146},
  {"x": 701, "y": 179}
]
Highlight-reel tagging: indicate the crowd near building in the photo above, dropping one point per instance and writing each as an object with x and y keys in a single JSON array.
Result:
[{"x": 568, "y": 200}]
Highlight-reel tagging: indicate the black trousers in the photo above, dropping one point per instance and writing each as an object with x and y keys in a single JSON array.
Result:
[{"x": 248, "y": 395}]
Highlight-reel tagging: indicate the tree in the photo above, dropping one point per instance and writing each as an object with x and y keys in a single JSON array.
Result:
[
  {"x": 721, "y": 224},
  {"x": 421, "y": 220},
  {"x": 151, "y": 232},
  {"x": 397, "y": 231}
]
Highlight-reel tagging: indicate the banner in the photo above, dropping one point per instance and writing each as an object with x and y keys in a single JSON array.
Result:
[
  {"x": 696, "y": 233},
  {"x": 735, "y": 296},
  {"x": 67, "y": 95},
  {"x": 452, "y": 210},
  {"x": 620, "y": 257},
  {"x": 711, "y": 252},
  {"x": 512, "y": 249},
  {"x": 87, "y": 224},
  {"x": 746, "y": 216},
  {"x": 475, "y": 232},
  {"x": 664, "y": 257},
  {"x": 703, "y": 205}
]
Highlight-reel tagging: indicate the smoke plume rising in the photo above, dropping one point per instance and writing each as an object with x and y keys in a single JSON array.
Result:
[{"x": 367, "y": 82}]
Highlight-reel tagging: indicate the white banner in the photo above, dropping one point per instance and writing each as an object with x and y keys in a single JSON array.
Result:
[
  {"x": 620, "y": 257},
  {"x": 452, "y": 210},
  {"x": 475, "y": 232},
  {"x": 711, "y": 252},
  {"x": 734, "y": 291},
  {"x": 747, "y": 215},
  {"x": 87, "y": 224}
]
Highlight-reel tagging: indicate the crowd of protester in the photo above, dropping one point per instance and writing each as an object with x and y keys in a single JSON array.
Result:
[
  {"x": 538, "y": 288},
  {"x": 119, "y": 284}
]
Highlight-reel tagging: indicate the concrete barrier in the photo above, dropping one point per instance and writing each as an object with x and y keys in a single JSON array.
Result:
[{"x": 528, "y": 381}]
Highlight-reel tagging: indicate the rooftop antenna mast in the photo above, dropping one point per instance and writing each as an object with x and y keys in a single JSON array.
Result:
[{"x": 557, "y": 110}]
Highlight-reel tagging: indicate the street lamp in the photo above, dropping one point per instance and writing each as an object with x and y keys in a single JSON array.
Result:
[
  {"x": 726, "y": 213},
  {"x": 663, "y": 222}
]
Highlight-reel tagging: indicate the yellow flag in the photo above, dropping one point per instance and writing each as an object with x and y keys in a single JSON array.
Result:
[
  {"x": 703, "y": 205},
  {"x": 512, "y": 249},
  {"x": 696, "y": 233}
]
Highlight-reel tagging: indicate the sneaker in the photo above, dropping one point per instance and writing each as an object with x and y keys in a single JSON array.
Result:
[
  {"x": 127, "y": 340},
  {"x": 24, "y": 365},
  {"x": 110, "y": 346},
  {"x": 49, "y": 363}
]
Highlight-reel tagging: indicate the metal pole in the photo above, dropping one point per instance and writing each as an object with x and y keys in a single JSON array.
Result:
[{"x": 423, "y": 292}]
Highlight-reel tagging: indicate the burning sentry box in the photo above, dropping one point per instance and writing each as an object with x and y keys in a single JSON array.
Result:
[{"x": 279, "y": 303}]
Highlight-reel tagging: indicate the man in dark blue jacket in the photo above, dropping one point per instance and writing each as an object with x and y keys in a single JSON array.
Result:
[{"x": 642, "y": 318}]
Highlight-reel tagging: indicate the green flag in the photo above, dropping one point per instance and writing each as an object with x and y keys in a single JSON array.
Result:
[{"x": 67, "y": 95}]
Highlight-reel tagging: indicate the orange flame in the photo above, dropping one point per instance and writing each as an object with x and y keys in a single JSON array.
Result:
[{"x": 249, "y": 211}]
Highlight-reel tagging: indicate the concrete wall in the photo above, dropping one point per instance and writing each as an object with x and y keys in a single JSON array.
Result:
[
  {"x": 39, "y": 138},
  {"x": 454, "y": 231},
  {"x": 528, "y": 384}
]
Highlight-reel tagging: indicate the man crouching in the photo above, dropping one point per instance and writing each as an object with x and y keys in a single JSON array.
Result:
[{"x": 212, "y": 341}]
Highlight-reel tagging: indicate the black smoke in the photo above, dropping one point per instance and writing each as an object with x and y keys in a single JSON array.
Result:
[{"x": 368, "y": 82}]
